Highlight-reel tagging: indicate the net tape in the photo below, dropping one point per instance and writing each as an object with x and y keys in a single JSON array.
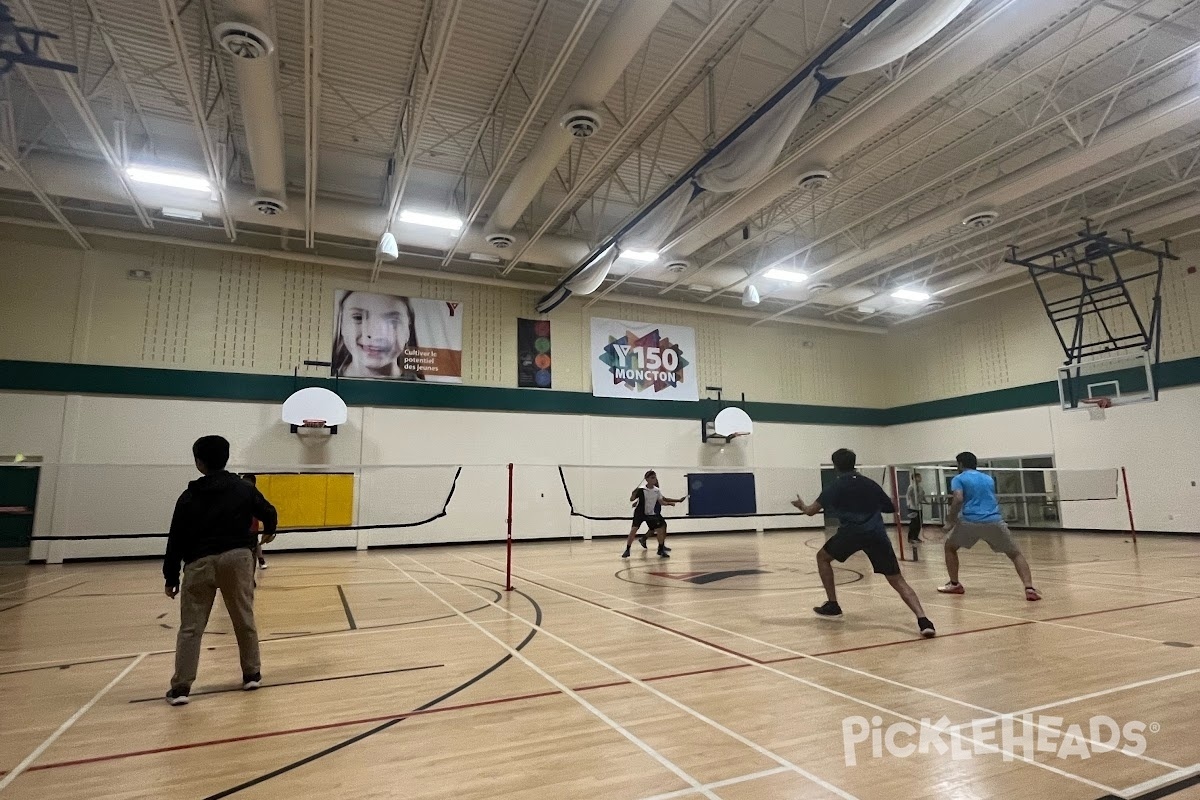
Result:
[{"x": 1063, "y": 484}]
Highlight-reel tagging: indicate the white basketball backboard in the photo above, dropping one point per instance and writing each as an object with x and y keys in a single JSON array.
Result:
[
  {"x": 732, "y": 421},
  {"x": 315, "y": 403}
]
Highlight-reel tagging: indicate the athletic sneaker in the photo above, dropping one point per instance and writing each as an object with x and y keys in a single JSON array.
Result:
[
  {"x": 926, "y": 627},
  {"x": 251, "y": 682},
  {"x": 1032, "y": 594},
  {"x": 952, "y": 588},
  {"x": 830, "y": 609},
  {"x": 262, "y": 563},
  {"x": 626, "y": 553},
  {"x": 177, "y": 697},
  {"x": 662, "y": 553},
  {"x": 642, "y": 542}
]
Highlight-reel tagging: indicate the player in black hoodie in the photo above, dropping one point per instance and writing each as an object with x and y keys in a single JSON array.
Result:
[{"x": 210, "y": 535}]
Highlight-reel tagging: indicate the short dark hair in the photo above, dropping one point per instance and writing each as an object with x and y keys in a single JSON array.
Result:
[
  {"x": 211, "y": 451},
  {"x": 967, "y": 460},
  {"x": 844, "y": 460},
  {"x": 650, "y": 474},
  {"x": 250, "y": 477}
]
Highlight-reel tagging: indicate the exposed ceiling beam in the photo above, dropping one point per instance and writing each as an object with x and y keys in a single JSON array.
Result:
[
  {"x": 9, "y": 158},
  {"x": 75, "y": 93},
  {"x": 212, "y": 160},
  {"x": 314, "y": 11}
]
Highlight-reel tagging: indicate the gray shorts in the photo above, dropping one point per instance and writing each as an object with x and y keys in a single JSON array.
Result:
[{"x": 996, "y": 534}]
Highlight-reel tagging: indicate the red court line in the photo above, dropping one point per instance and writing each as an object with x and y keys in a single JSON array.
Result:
[
  {"x": 1122, "y": 608},
  {"x": 689, "y": 636}
]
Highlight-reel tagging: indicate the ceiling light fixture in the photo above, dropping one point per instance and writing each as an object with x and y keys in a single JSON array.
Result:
[
  {"x": 787, "y": 275},
  {"x": 183, "y": 213},
  {"x": 645, "y": 256},
  {"x": 176, "y": 180},
  {"x": 431, "y": 220},
  {"x": 911, "y": 294}
]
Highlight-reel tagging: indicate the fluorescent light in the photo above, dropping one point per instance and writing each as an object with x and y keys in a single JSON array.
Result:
[
  {"x": 645, "y": 256},
  {"x": 867, "y": 309},
  {"x": 431, "y": 220},
  {"x": 176, "y": 180},
  {"x": 786, "y": 275},
  {"x": 183, "y": 213},
  {"x": 910, "y": 294}
]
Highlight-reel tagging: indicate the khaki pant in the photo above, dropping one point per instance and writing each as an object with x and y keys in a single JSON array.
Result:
[{"x": 233, "y": 573}]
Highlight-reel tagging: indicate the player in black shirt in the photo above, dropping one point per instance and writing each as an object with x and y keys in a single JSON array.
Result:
[{"x": 859, "y": 504}]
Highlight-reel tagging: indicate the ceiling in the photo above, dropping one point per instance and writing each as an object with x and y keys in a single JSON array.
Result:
[{"x": 1026, "y": 115}]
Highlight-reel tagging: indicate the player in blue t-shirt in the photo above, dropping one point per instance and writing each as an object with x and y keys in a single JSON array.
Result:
[
  {"x": 974, "y": 515},
  {"x": 859, "y": 503}
]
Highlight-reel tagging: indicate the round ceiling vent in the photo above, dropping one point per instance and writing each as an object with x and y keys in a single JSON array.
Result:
[
  {"x": 581, "y": 123},
  {"x": 500, "y": 241},
  {"x": 243, "y": 41},
  {"x": 818, "y": 288},
  {"x": 814, "y": 181},
  {"x": 676, "y": 267},
  {"x": 984, "y": 219},
  {"x": 268, "y": 206},
  {"x": 933, "y": 305}
]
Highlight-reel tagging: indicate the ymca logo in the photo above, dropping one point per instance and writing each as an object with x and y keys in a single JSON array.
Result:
[
  {"x": 652, "y": 361},
  {"x": 451, "y": 307},
  {"x": 701, "y": 578}
]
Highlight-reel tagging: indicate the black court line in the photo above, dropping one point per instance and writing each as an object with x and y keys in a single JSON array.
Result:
[
  {"x": 390, "y": 723},
  {"x": 42, "y": 597},
  {"x": 1163, "y": 791},
  {"x": 346, "y": 606},
  {"x": 299, "y": 683}
]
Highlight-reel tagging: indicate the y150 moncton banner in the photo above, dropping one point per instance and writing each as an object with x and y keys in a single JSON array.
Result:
[
  {"x": 397, "y": 338},
  {"x": 647, "y": 362}
]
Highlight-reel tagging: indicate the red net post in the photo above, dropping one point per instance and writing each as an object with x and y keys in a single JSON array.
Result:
[
  {"x": 1129, "y": 505},
  {"x": 508, "y": 539}
]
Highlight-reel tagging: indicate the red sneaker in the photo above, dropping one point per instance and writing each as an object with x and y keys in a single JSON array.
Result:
[
  {"x": 952, "y": 588},
  {"x": 1032, "y": 594}
]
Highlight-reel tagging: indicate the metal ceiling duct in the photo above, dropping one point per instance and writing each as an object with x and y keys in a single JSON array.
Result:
[
  {"x": 248, "y": 36},
  {"x": 625, "y": 34}
]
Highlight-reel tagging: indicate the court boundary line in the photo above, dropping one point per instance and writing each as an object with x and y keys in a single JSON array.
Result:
[
  {"x": 535, "y": 627},
  {"x": 1105, "y": 692},
  {"x": 41, "y": 597},
  {"x": 35, "y": 586},
  {"x": 346, "y": 607},
  {"x": 853, "y": 670},
  {"x": 761, "y": 750},
  {"x": 25, "y": 763},
  {"x": 325, "y": 679},
  {"x": 753, "y": 776}
]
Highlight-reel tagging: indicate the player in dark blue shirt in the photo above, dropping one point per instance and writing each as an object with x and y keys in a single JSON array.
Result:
[{"x": 859, "y": 504}]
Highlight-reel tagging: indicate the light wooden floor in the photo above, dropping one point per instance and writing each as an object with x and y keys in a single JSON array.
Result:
[{"x": 411, "y": 674}]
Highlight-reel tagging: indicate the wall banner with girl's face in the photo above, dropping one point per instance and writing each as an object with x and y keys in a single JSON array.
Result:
[
  {"x": 397, "y": 338},
  {"x": 643, "y": 362}
]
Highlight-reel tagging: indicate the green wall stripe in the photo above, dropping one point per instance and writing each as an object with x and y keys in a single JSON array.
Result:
[{"x": 42, "y": 376}]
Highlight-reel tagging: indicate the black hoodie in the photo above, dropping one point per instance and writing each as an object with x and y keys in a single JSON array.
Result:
[{"x": 213, "y": 516}]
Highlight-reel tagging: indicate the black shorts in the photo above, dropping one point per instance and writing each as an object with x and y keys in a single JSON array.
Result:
[
  {"x": 877, "y": 546},
  {"x": 653, "y": 521}
]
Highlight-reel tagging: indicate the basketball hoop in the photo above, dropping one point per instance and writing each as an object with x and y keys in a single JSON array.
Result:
[
  {"x": 1098, "y": 402},
  {"x": 313, "y": 423}
]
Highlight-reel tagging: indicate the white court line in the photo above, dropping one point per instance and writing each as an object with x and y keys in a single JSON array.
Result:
[
  {"x": 778, "y": 759},
  {"x": 29, "y": 759},
  {"x": 1104, "y": 692},
  {"x": 1051, "y": 623},
  {"x": 766, "y": 773},
  {"x": 34, "y": 585},
  {"x": 562, "y": 687},
  {"x": 920, "y": 723},
  {"x": 1146, "y": 786}
]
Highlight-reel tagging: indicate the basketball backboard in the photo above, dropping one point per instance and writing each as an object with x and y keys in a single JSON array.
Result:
[
  {"x": 1121, "y": 379},
  {"x": 314, "y": 407},
  {"x": 728, "y": 425}
]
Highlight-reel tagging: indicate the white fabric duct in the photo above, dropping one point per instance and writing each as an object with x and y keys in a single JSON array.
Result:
[
  {"x": 625, "y": 34},
  {"x": 259, "y": 99},
  {"x": 656, "y": 226},
  {"x": 1013, "y": 21},
  {"x": 593, "y": 275},
  {"x": 744, "y": 162},
  {"x": 883, "y": 45}
]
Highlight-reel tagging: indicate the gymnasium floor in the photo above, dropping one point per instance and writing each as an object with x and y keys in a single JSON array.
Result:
[{"x": 411, "y": 674}]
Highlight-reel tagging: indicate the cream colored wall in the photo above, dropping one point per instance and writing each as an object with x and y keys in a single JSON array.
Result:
[
  {"x": 117, "y": 464},
  {"x": 210, "y": 310},
  {"x": 1008, "y": 341}
]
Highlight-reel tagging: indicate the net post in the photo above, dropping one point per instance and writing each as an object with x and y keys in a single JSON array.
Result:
[
  {"x": 896, "y": 513},
  {"x": 1129, "y": 505},
  {"x": 508, "y": 587}
]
